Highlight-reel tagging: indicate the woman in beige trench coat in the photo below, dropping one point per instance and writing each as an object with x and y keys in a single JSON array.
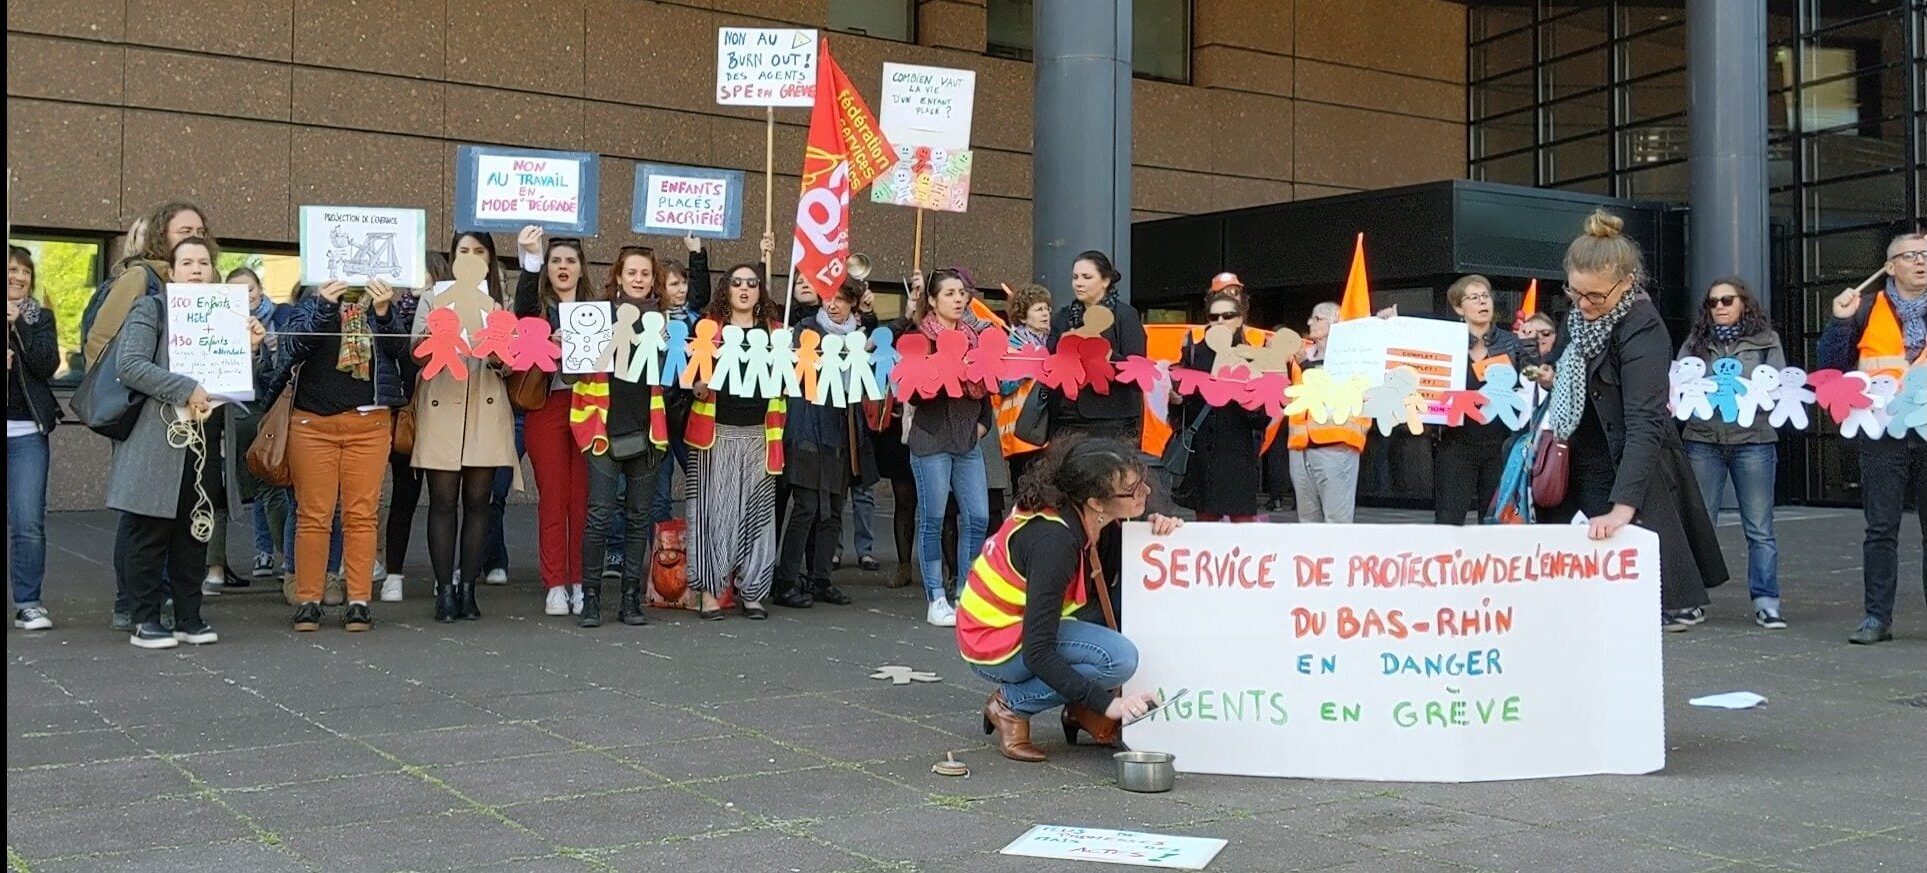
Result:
[{"x": 464, "y": 432}]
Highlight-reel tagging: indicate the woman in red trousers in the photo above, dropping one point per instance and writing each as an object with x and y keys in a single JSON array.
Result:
[{"x": 552, "y": 276}]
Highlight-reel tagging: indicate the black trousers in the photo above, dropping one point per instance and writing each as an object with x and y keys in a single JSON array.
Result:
[
  {"x": 810, "y": 537},
  {"x": 1465, "y": 473},
  {"x": 635, "y": 480},
  {"x": 163, "y": 551},
  {"x": 1890, "y": 469}
]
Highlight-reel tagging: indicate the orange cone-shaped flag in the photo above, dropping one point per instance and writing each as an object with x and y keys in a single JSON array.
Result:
[
  {"x": 1357, "y": 302},
  {"x": 1882, "y": 346},
  {"x": 1531, "y": 306}
]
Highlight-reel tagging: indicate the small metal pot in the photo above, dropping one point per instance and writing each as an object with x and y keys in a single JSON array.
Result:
[{"x": 1148, "y": 772}]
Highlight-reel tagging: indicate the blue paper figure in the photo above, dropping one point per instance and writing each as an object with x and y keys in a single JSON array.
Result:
[
  {"x": 884, "y": 355},
  {"x": 676, "y": 353},
  {"x": 1728, "y": 385},
  {"x": 1909, "y": 406},
  {"x": 1502, "y": 400}
]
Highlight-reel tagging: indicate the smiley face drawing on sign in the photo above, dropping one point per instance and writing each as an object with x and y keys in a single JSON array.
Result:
[{"x": 586, "y": 331}]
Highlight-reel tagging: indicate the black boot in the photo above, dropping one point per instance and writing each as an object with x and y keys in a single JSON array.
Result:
[
  {"x": 468, "y": 611},
  {"x": 591, "y": 605},
  {"x": 631, "y": 604},
  {"x": 447, "y": 602}
]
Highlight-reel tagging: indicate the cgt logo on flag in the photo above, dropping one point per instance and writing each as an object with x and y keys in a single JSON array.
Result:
[{"x": 845, "y": 151}]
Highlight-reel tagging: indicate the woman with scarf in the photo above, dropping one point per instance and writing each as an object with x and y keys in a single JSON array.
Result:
[
  {"x": 1731, "y": 325},
  {"x": 826, "y": 453},
  {"x": 945, "y": 454},
  {"x": 1608, "y": 404},
  {"x": 551, "y": 276}
]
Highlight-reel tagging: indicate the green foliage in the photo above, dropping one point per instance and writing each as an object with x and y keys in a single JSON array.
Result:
[{"x": 66, "y": 273}]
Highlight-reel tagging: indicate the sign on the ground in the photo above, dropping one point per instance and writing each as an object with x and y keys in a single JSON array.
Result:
[
  {"x": 1412, "y": 653},
  {"x": 505, "y": 189},
  {"x": 207, "y": 338},
  {"x": 765, "y": 66},
  {"x": 1116, "y": 847}
]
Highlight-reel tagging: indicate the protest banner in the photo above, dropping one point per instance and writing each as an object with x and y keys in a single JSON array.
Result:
[
  {"x": 504, "y": 189},
  {"x": 700, "y": 201},
  {"x": 1116, "y": 847},
  {"x": 928, "y": 106},
  {"x": 845, "y": 151},
  {"x": 765, "y": 66},
  {"x": 358, "y": 243},
  {"x": 207, "y": 338},
  {"x": 1412, "y": 653},
  {"x": 1368, "y": 347}
]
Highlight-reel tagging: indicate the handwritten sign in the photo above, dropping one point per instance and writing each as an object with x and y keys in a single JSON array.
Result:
[
  {"x": 507, "y": 189},
  {"x": 1369, "y": 347},
  {"x": 1412, "y": 653},
  {"x": 927, "y": 178},
  {"x": 358, "y": 243},
  {"x": 1116, "y": 847},
  {"x": 765, "y": 66},
  {"x": 929, "y": 106},
  {"x": 674, "y": 201},
  {"x": 207, "y": 338}
]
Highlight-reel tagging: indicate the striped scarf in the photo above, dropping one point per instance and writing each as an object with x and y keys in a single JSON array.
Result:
[
  {"x": 1585, "y": 340},
  {"x": 357, "y": 342}
]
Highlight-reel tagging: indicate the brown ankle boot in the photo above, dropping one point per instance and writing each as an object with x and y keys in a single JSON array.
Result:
[
  {"x": 1013, "y": 730},
  {"x": 1102, "y": 728}
]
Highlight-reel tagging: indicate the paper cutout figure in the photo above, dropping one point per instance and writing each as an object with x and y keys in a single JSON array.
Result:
[
  {"x": 586, "y": 329},
  {"x": 622, "y": 342},
  {"x": 832, "y": 375},
  {"x": 468, "y": 296},
  {"x": 727, "y": 374},
  {"x": 1222, "y": 339},
  {"x": 918, "y": 373},
  {"x": 1097, "y": 320},
  {"x": 1690, "y": 389},
  {"x": 809, "y": 354},
  {"x": 1758, "y": 397},
  {"x": 953, "y": 349},
  {"x": 758, "y": 380},
  {"x": 1502, "y": 396},
  {"x": 863, "y": 378},
  {"x": 1908, "y": 410},
  {"x": 1389, "y": 403},
  {"x": 883, "y": 355},
  {"x": 443, "y": 346},
  {"x": 1143, "y": 372},
  {"x": 899, "y": 675},
  {"x": 1790, "y": 399},
  {"x": 1224, "y": 387},
  {"x": 782, "y": 364},
  {"x": 1729, "y": 387},
  {"x": 675, "y": 355},
  {"x": 1457, "y": 406},
  {"x": 1079, "y": 363},
  {"x": 533, "y": 346},
  {"x": 1840, "y": 393},
  {"x": 1267, "y": 391},
  {"x": 984, "y": 365},
  {"x": 645, "y": 365},
  {"x": 496, "y": 338},
  {"x": 1871, "y": 420},
  {"x": 1325, "y": 400},
  {"x": 702, "y": 355}
]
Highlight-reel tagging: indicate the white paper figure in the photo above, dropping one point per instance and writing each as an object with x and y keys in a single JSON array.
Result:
[
  {"x": 1791, "y": 399},
  {"x": 832, "y": 371},
  {"x": 728, "y": 374},
  {"x": 645, "y": 364},
  {"x": 758, "y": 379},
  {"x": 622, "y": 342},
  {"x": 586, "y": 332},
  {"x": 1690, "y": 390},
  {"x": 1759, "y": 395},
  {"x": 782, "y": 363},
  {"x": 1872, "y": 421},
  {"x": 863, "y": 377}
]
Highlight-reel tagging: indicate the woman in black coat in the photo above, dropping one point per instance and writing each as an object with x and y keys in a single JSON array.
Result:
[
  {"x": 1222, "y": 479},
  {"x": 1609, "y": 392}
]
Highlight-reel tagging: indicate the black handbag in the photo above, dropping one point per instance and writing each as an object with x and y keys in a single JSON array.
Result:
[
  {"x": 1033, "y": 420},
  {"x": 1177, "y": 462},
  {"x": 629, "y": 445},
  {"x": 102, "y": 403}
]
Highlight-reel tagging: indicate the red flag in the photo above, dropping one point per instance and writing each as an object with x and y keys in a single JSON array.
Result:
[{"x": 845, "y": 150}]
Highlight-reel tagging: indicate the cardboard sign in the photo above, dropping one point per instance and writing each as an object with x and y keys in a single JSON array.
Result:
[
  {"x": 929, "y": 106},
  {"x": 927, "y": 178},
  {"x": 1414, "y": 653},
  {"x": 1115, "y": 847},
  {"x": 507, "y": 189},
  {"x": 674, "y": 201},
  {"x": 358, "y": 243},
  {"x": 765, "y": 66},
  {"x": 1368, "y": 347},
  {"x": 207, "y": 338}
]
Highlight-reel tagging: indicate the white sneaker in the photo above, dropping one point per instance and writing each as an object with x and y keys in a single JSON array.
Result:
[
  {"x": 215, "y": 581},
  {"x": 940, "y": 614},
  {"x": 391, "y": 588},
  {"x": 32, "y": 618},
  {"x": 558, "y": 601},
  {"x": 575, "y": 599},
  {"x": 496, "y": 577}
]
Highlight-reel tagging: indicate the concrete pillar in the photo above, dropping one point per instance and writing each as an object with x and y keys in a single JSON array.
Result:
[
  {"x": 1726, "y": 70},
  {"x": 1081, "y": 156}
]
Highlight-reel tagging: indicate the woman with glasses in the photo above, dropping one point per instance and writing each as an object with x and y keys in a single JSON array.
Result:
[
  {"x": 737, "y": 448},
  {"x": 1034, "y": 618},
  {"x": 551, "y": 276},
  {"x": 1221, "y": 483},
  {"x": 945, "y": 437},
  {"x": 1467, "y": 460},
  {"x": 1731, "y": 325},
  {"x": 1609, "y": 391}
]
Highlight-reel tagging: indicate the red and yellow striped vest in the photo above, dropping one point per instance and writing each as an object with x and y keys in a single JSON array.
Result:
[
  {"x": 990, "y": 615},
  {"x": 589, "y": 414}
]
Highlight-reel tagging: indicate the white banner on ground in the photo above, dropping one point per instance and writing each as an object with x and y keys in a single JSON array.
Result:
[
  {"x": 1116, "y": 847},
  {"x": 1368, "y": 347},
  {"x": 207, "y": 338},
  {"x": 1411, "y": 653}
]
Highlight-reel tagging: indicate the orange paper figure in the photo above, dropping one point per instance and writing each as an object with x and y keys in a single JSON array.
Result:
[
  {"x": 497, "y": 337},
  {"x": 803, "y": 375},
  {"x": 702, "y": 355},
  {"x": 534, "y": 347},
  {"x": 444, "y": 347}
]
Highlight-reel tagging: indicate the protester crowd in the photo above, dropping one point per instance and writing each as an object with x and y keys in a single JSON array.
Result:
[{"x": 769, "y": 486}]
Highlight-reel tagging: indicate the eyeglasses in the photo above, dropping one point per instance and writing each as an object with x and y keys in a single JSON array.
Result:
[
  {"x": 1140, "y": 487},
  {"x": 1594, "y": 299},
  {"x": 740, "y": 282},
  {"x": 1476, "y": 298},
  {"x": 1538, "y": 334},
  {"x": 1916, "y": 256},
  {"x": 1222, "y": 316},
  {"x": 1722, "y": 302}
]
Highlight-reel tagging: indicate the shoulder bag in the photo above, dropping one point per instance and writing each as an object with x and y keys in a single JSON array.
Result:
[
  {"x": 102, "y": 403},
  {"x": 528, "y": 389},
  {"x": 268, "y": 454}
]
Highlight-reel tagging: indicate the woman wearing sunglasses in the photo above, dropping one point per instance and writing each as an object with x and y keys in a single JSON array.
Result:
[
  {"x": 552, "y": 276},
  {"x": 1222, "y": 481},
  {"x": 1608, "y": 405},
  {"x": 1731, "y": 325}
]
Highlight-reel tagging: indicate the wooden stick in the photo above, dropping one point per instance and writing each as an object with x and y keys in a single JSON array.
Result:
[
  {"x": 769, "y": 177},
  {"x": 916, "y": 253},
  {"x": 1871, "y": 279}
]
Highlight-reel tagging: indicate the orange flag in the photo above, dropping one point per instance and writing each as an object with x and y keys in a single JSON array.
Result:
[
  {"x": 1357, "y": 302},
  {"x": 1882, "y": 347},
  {"x": 1531, "y": 306}
]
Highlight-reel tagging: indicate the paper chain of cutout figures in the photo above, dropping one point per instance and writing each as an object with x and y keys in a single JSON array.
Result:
[{"x": 839, "y": 370}]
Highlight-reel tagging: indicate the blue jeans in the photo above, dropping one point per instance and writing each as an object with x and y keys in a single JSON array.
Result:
[
  {"x": 1753, "y": 470},
  {"x": 863, "y": 505},
  {"x": 495, "y": 555},
  {"x": 938, "y": 478},
  {"x": 264, "y": 534},
  {"x": 27, "y": 517},
  {"x": 1100, "y": 654}
]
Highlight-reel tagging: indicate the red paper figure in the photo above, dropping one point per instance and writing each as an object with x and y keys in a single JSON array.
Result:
[
  {"x": 1187, "y": 381},
  {"x": 953, "y": 348},
  {"x": 1267, "y": 392},
  {"x": 1461, "y": 405},
  {"x": 1140, "y": 371},
  {"x": 1226, "y": 386},
  {"x": 984, "y": 365},
  {"x": 534, "y": 348},
  {"x": 497, "y": 337},
  {"x": 1080, "y": 362},
  {"x": 916, "y": 373},
  {"x": 1839, "y": 393},
  {"x": 1025, "y": 364},
  {"x": 444, "y": 347},
  {"x": 702, "y": 355}
]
